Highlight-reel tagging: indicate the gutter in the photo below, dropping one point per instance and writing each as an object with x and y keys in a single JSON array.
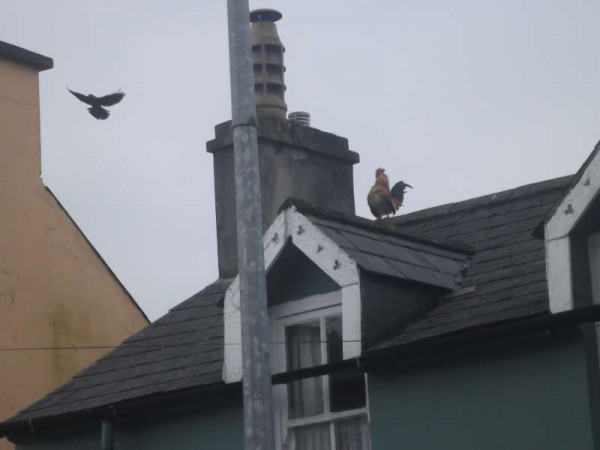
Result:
[
  {"x": 118, "y": 411},
  {"x": 476, "y": 337}
]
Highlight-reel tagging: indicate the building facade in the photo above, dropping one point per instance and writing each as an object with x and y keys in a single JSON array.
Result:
[{"x": 56, "y": 292}]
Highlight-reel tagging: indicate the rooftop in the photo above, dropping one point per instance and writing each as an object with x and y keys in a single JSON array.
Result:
[
  {"x": 26, "y": 57},
  {"x": 504, "y": 280}
]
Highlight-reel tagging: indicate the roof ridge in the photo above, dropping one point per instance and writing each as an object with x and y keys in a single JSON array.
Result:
[
  {"x": 505, "y": 196},
  {"x": 379, "y": 225}
]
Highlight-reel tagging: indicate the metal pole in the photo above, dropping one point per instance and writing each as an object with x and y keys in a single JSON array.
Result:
[{"x": 258, "y": 396}]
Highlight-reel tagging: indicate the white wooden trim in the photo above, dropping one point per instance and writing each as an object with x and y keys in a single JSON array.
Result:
[
  {"x": 329, "y": 417},
  {"x": 312, "y": 303},
  {"x": 351, "y": 320},
  {"x": 292, "y": 226},
  {"x": 576, "y": 202},
  {"x": 557, "y": 233},
  {"x": 558, "y": 271},
  {"x": 321, "y": 250},
  {"x": 594, "y": 254}
]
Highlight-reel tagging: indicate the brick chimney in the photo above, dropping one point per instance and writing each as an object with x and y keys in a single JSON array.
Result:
[{"x": 295, "y": 160}]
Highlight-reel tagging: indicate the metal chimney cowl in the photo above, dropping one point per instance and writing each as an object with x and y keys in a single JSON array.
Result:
[{"x": 267, "y": 60}]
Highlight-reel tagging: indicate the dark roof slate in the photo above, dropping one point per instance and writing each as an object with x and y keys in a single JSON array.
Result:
[
  {"x": 506, "y": 278},
  {"x": 388, "y": 253},
  {"x": 182, "y": 349}
]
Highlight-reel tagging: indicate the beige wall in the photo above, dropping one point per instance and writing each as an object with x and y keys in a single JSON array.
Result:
[{"x": 54, "y": 290}]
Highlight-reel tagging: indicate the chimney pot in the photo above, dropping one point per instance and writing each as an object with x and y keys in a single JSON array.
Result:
[{"x": 267, "y": 61}]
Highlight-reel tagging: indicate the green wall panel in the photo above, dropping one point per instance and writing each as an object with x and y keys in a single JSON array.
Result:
[
  {"x": 516, "y": 399},
  {"x": 218, "y": 427}
]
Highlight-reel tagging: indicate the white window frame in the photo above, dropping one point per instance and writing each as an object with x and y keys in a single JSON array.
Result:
[{"x": 317, "y": 307}]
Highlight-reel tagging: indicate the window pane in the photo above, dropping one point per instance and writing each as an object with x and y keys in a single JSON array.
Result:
[
  {"x": 303, "y": 346},
  {"x": 333, "y": 328},
  {"x": 346, "y": 391},
  {"x": 353, "y": 434},
  {"x": 313, "y": 437}
]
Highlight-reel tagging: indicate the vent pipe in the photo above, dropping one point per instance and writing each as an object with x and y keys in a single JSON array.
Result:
[
  {"x": 267, "y": 61},
  {"x": 301, "y": 117}
]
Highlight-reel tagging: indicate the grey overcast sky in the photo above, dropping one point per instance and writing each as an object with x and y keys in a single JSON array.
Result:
[{"x": 459, "y": 98}]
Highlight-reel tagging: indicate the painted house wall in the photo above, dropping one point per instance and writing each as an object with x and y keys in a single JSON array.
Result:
[
  {"x": 534, "y": 398},
  {"x": 54, "y": 289},
  {"x": 215, "y": 428}
]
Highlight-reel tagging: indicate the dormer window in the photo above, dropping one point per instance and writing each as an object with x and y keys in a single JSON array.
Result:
[
  {"x": 328, "y": 286},
  {"x": 325, "y": 412}
]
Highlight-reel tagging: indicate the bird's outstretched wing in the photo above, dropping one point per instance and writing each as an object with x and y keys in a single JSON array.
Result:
[
  {"x": 111, "y": 99},
  {"x": 83, "y": 98}
]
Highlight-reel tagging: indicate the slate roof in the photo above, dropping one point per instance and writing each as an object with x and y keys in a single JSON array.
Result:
[
  {"x": 507, "y": 275},
  {"x": 385, "y": 251},
  {"x": 505, "y": 280},
  {"x": 182, "y": 349}
]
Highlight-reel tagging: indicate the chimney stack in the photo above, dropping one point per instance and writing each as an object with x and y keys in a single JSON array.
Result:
[
  {"x": 267, "y": 61},
  {"x": 295, "y": 159}
]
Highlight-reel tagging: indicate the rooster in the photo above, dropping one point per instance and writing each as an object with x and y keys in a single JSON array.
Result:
[
  {"x": 382, "y": 201},
  {"x": 97, "y": 103}
]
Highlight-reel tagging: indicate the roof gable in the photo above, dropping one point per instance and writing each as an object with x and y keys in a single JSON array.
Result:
[
  {"x": 584, "y": 189},
  {"x": 575, "y": 210},
  {"x": 294, "y": 276},
  {"x": 379, "y": 248}
]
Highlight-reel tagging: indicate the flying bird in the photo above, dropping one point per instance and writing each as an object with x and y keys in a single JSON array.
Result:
[
  {"x": 97, "y": 103},
  {"x": 383, "y": 201}
]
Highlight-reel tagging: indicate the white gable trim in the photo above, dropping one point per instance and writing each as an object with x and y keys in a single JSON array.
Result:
[
  {"x": 557, "y": 234},
  {"x": 327, "y": 255},
  {"x": 594, "y": 252},
  {"x": 558, "y": 272}
]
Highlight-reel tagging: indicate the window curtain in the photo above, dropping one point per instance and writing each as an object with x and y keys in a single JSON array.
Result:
[
  {"x": 305, "y": 397},
  {"x": 313, "y": 437},
  {"x": 353, "y": 434}
]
